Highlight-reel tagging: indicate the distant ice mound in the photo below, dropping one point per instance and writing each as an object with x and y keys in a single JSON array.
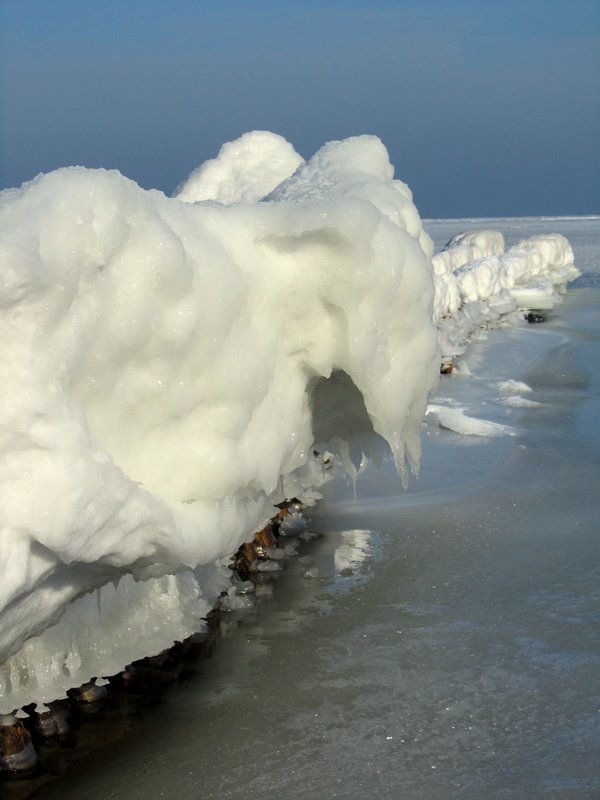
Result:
[
  {"x": 167, "y": 369},
  {"x": 476, "y": 281},
  {"x": 245, "y": 170}
]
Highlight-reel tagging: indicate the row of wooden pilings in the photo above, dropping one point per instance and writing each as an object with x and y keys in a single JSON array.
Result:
[{"x": 26, "y": 733}]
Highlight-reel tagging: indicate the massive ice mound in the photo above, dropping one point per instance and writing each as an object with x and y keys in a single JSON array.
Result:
[
  {"x": 160, "y": 365},
  {"x": 169, "y": 364}
]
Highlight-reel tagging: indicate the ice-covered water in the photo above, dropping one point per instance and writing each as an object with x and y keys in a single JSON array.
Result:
[{"x": 451, "y": 648}]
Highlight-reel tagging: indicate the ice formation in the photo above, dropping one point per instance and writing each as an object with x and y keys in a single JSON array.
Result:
[
  {"x": 170, "y": 365},
  {"x": 516, "y": 401},
  {"x": 455, "y": 419},
  {"x": 476, "y": 281},
  {"x": 512, "y": 386},
  {"x": 244, "y": 171},
  {"x": 159, "y": 370}
]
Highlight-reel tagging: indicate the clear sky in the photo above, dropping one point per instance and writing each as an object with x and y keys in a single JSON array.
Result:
[{"x": 487, "y": 108}]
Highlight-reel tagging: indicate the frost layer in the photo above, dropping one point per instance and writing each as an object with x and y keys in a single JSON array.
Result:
[{"x": 160, "y": 370}]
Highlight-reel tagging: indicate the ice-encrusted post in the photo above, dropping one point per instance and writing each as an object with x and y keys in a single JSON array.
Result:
[{"x": 17, "y": 753}]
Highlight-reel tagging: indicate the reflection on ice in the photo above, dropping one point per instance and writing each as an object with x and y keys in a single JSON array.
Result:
[
  {"x": 510, "y": 386},
  {"x": 516, "y": 401},
  {"x": 355, "y": 548}
]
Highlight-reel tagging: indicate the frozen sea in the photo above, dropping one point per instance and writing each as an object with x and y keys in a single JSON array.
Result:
[{"x": 451, "y": 646}]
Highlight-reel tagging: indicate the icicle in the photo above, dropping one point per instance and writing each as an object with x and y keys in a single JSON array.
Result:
[{"x": 73, "y": 659}]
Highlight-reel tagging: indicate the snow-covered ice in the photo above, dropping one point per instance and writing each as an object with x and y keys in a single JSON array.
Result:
[{"x": 171, "y": 363}]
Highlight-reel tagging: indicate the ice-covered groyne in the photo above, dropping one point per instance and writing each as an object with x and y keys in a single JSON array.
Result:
[
  {"x": 173, "y": 367},
  {"x": 476, "y": 281},
  {"x": 159, "y": 370}
]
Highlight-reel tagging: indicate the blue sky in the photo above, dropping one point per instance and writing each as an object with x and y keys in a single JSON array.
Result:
[{"x": 486, "y": 108}]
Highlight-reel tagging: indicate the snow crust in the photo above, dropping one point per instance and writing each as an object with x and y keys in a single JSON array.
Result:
[
  {"x": 160, "y": 365},
  {"x": 174, "y": 367}
]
